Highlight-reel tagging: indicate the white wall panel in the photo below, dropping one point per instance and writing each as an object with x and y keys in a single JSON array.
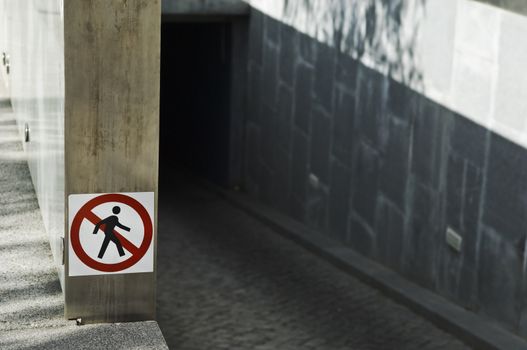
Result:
[{"x": 32, "y": 34}]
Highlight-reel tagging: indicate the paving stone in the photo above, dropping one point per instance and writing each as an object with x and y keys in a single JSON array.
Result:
[{"x": 226, "y": 281}]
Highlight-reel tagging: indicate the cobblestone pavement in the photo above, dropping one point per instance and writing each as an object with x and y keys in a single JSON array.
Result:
[{"x": 226, "y": 281}]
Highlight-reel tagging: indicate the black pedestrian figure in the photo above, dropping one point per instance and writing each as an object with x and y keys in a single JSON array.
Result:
[{"x": 109, "y": 224}]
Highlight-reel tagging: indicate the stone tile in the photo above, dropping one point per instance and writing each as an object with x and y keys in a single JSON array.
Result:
[
  {"x": 317, "y": 208},
  {"x": 325, "y": 76},
  {"x": 343, "y": 124},
  {"x": 428, "y": 144},
  {"x": 346, "y": 73},
  {"x": 268, "y": 144},
  {"x": 339, "y": 201},
  {"x": 458, "y": 271},
  {"x": 390, "y": 235},
  {"x": 303, "y": 99},
  {"x": 298, "y": 208},
  {"x": 285, "y": 117},
  {"x": 252, "y": 155},
  {"x": 288, "y": 53},
  {"x": 320, "y": 144},
  {"x": 361, "y": 237},
  {"x": 505, "y": 207},
  {"x": 472, "y": 198},
  {"x": 265, "y": 185},
  {"x": 423, "y": 236},
  {"x": 500, "y": 274},
  {"x": 307, "y": 48},
  {"x": 395, "y": 164},
  {"x": 457, "y": 280},
  {"x": 299, "y": 170},
  {"x": 256, "y": 33},
  {"x": 272, "y": 30},
  {"x": 455, "y": 192},
  {"x": 402, "y": 101},
  {"x": 254, "y": 105},
  {"x": 270, "y": 76},
  {"x": 281, "y": 185},
  {"x": 370, "y": 106},
  {"x": 469, "y": 140},
  {"x": 467, "y": 288},
  {"x": 366, "y": 183}
]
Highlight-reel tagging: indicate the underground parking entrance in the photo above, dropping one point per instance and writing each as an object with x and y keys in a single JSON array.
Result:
[{"x": 203, "y": 77}]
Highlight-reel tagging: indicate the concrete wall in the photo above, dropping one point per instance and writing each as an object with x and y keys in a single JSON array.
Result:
[
  {"x": 85, "y": 79},
  {"x": 112, "y": 64},
  {"x": 383, "y": 123},
  {"x": 31, "y": 32}
]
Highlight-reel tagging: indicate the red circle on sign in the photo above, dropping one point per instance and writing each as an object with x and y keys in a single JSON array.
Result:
[{"x": 86, "y": 210}]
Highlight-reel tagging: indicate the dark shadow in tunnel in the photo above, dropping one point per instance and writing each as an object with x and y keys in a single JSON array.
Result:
[{"x": 195, "y": 100}]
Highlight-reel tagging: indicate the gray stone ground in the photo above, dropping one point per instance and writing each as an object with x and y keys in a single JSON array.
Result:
[
  {"x": 31, "y": 303},
  {"x": 226, "y": 281}
]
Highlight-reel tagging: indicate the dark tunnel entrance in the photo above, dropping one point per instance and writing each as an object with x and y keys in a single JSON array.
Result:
[
  {"x": 203, "y": 75},
  {"x": 195, "y": 99}
]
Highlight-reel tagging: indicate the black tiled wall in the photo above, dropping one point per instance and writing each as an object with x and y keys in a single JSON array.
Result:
[{"x": 394, "y": 170}]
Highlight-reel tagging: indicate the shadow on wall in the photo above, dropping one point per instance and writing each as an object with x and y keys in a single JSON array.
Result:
[
  {"x": 377, "y": 29},
  {"x": 363, "y": 158}
]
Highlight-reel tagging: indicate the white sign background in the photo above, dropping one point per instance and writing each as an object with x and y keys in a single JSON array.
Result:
[{"x": 91, "y": 243}]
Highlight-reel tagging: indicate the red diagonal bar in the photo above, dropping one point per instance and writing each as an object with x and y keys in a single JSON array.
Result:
[{"x": 94, "y": 219}]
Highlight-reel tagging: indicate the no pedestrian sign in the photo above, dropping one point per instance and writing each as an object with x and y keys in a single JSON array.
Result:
[{"x": 111, "y": 233}]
